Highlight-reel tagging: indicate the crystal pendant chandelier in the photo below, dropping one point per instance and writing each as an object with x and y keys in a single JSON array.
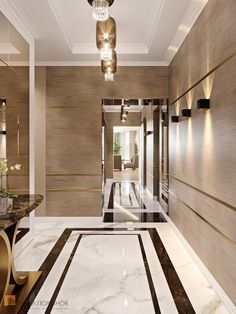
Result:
[
  {"x": 106, "y": 53},
  {"x": 100, "y": 10},
  {"x": 109, "y": 77}
]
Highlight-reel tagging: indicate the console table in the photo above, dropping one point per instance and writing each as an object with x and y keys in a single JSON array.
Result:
[{"x": 15, "y": 286}]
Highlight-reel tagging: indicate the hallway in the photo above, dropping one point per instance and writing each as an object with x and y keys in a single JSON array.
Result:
[{"x": 124, "y": 266}]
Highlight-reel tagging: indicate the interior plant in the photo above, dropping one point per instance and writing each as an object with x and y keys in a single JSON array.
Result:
[
  {"x": 6, "y": 196},
  {"x": 116, "y": 148}
]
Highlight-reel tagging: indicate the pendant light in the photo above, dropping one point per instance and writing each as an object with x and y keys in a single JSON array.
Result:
[{"x": 100, "y": 9}]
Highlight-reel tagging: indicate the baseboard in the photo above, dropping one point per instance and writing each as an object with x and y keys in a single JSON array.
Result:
[{"x": 222, "y": 294}]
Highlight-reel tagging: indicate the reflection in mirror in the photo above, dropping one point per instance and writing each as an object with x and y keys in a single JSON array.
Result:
[{"x": 14, "y": 113}]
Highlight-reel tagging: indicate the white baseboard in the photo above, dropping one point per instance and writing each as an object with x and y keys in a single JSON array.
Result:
[{"x": 223, "y": 296}]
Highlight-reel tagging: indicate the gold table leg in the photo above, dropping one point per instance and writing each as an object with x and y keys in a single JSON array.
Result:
[{"x": 14, "y": 286}]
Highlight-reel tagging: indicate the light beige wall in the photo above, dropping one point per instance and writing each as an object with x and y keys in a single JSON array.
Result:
[
  {"x": 202, "y": 200},
  {"x": 73, "y": 138}
]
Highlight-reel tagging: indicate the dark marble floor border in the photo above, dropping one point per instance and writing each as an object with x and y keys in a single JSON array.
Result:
[
  {"x": 136, "y": 193},
  {"x": 178, "y": 292},
  {"x": 144, "y": 217},
  {"x": 22, "y": 232}
]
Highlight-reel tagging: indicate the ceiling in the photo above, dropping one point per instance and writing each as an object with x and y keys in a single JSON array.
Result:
[{"x": 148, "y": 32}]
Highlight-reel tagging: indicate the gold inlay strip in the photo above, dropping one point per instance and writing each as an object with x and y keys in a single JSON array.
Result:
[
  {"x": 205, "y": 220},
  {"x": 73, "y": 190},
  {"x": 204, "y": 77},
  {"x": 204, "y": 193},
  {"x": 73, "y": 174},
  {"x": 18, "y": 175}
]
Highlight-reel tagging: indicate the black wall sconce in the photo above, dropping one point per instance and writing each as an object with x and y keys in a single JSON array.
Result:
[
  {"x": 175, "y": 119},
  {"x": 3, "y": 102},
  {"x": 3, "y": 132},
  {"x": 186, "y": 113},
  {"x": 203, "y": 104},
  {"x": 148, "y": 133}
]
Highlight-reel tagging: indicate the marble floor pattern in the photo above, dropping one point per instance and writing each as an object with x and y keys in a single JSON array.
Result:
[{"x": 133, "y": 267}]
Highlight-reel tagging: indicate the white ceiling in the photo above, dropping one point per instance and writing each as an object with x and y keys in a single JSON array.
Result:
[{"x": 148, "y": 32}]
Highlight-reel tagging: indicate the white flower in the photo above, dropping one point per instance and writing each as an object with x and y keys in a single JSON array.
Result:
[
  {"x": 17, "y": 166},
  {"x": 12, "y": 168}
]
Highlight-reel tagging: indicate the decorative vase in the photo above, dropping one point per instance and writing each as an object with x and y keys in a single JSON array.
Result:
[{"x": 4, "y": 203}]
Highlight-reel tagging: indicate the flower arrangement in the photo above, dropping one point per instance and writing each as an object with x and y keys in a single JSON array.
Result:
[{"x": 4, "y": 169}]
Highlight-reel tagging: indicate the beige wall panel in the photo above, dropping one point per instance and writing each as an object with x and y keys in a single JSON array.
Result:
[
  {"x": 72, "y": 204},
  {"x": 220, "y": 216},
  {"x": 202, "y": 149},
  {"x": 217, "y": 254},
  {"x": 211, "y": 40},
  {"x": 73, "y": 182},
  {"x": 74, "y": 119}
]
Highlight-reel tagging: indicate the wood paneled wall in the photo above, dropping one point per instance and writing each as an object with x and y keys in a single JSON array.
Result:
[
  {"x": 15, "y": 88},
  {"x": 74, "y": 136},
  {"x": 203, "y": 148}
]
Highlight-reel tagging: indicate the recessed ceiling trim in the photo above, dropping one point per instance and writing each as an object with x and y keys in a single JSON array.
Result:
[
  {"x": 194, "y": 10},
  {"x": 158, "y": 11},
  {"x": 98, "y": 63},
  {"x": 121, "y": 49},
  {"x": 61, "y": 24},
  {"x": 17, "y": 18}
]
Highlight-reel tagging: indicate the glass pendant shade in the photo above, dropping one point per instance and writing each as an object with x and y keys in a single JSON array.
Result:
[
  {"x": 106, "y": 32},
  {"x": 100, "y": 10}
]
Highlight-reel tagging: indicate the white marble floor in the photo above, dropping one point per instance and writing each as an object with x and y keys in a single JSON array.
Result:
[{"x": 131, "y": 267}]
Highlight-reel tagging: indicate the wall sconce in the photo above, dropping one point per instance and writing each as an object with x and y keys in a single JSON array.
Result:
[
  {"x": 203, "y": 104},
  {"x": 3, "y": 102},
  {"x": 148, "y": 133},
  {"x": 186, "y": 113},
  {"x": 3, "y": 132},
  {"x": 175, "y": 119}
]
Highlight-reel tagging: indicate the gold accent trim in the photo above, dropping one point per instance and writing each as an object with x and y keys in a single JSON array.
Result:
[
  {"x": 205, "y": 220},
  {"x": 5, "y": 262},
  {"x": 19, "y": 190},
  {"x": 204, "y": 193},
  {"x": 18, "y": 175},
  {"x": 73, "y": 174},
  {"x": 73, "y": 190},
  {"x": 204, "y": 77}
]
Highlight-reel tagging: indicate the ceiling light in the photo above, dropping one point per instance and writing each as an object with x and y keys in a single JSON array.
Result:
[
  {"x": 100, "y": 9},
  {"x": 106, "y": 33},
  {"x": 106, "y": 53},
  {"x": 110, "y": 65},
  {"x": 109, "y": 77}
]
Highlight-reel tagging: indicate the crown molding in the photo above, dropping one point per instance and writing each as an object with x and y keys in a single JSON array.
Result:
[
  {"x": 194, "y": 10},
  {"x": 98, "y": 63},
  {"x": 60, "y": 21},
  {"x": 155, "y": 22},
  {"x": 120, "y": 49},
  {"x": 17, "y": 18}
]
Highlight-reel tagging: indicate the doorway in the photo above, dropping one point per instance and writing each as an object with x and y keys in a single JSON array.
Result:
[{"x": 126, "y": 147}]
